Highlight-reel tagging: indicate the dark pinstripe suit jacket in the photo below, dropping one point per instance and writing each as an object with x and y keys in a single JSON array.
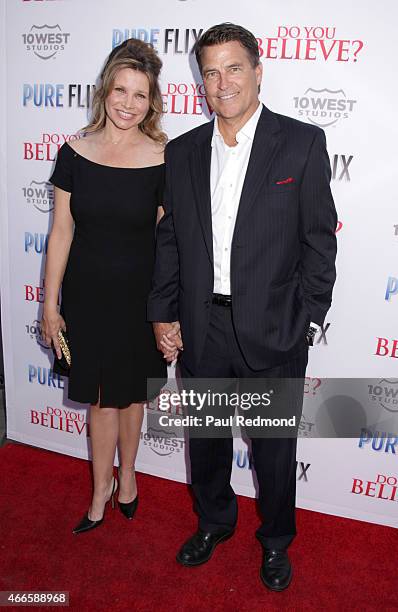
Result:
[{"x": 283, "y": 248}]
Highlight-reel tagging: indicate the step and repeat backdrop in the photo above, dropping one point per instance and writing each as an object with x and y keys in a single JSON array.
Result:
[{"x": 329, "y": 64}]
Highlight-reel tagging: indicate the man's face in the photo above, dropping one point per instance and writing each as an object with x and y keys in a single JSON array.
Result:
[{"x": 230, "y": 80}]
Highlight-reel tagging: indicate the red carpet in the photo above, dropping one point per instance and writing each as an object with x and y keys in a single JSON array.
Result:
[{"x": 338, "y": 563}]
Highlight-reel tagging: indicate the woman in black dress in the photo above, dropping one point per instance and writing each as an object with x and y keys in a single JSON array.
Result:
[{"x": 108, "y": 195}]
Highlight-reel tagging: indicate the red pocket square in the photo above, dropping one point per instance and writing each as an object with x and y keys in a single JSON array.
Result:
[{"x": 286, "y": 181}]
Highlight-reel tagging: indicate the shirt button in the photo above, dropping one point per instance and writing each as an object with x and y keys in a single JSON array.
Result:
[{"x": 226, "y": 249}]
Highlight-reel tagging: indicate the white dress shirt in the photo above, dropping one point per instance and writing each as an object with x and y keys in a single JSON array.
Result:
[{"x": 227, "y": 174}]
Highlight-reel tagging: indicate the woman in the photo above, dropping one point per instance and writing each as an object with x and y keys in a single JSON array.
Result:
[{"x": 108, "y": 191}]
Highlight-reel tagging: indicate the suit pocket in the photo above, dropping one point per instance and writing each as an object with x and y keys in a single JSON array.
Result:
[{"x": 277, "y": 189}]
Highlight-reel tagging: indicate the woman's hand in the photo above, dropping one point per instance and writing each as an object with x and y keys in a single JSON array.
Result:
[{"x": 51, "y": 323}]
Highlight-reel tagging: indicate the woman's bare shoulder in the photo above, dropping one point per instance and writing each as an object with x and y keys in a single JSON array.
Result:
[
  {"x": 86, "y": 143},
  {"x": 154, "y": 151}
]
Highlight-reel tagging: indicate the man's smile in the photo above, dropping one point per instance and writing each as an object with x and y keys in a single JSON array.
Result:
[{"x": 228, "y": 96}]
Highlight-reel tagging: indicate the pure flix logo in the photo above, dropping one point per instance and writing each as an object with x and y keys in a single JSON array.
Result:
[
  {"x": 36, "y": 243},
  {"x": 380, "y": 441},
  {"x": 45, "y": 376},
  {"x": 57, "y": 95},
  {"x": 341, "y": 167},
  {"x": 242, "y": 459},
  {"x": 392, "y": 288},
  {"x": 176, "y": 41},
  {"x": 324, "y": 107},
  {"x": 45, "y": 41},
  {"x": 40, "y": 194},
  {"x": 321, "y": 335},
  {"x": 148, "y": 35}
]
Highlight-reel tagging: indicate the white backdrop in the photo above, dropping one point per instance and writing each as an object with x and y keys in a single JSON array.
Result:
[{"x": 329, "y": 64}]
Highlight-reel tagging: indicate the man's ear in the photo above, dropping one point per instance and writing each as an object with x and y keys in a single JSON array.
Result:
[{"x": 259, "y": 73}]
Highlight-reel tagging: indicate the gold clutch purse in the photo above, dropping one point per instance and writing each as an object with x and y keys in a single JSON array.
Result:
[{"x": 66, "y": 358}]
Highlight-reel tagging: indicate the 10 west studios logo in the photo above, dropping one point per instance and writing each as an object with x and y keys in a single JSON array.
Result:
[
  {"x": 324, "y": 107},
  {"x": 161, "y": 442},
  {"x": 45, "y": 40},
  {"x": 40, "y": 194},
  {"x": 385, "y": 393},
  {"x": 35, "y": 332}
]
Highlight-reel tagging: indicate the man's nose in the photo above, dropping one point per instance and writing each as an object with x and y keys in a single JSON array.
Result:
[{"x": 223, "y": 81}]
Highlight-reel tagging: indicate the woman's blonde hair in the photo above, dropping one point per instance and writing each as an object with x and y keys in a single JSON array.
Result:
[{"x": 137, "y": 55}]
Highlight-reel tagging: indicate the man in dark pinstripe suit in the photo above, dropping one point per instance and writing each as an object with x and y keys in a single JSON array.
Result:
[{"x": 244, "y": 272}]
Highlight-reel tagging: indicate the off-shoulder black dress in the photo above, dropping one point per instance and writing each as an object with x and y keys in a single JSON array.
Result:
[{"x": 108, "y": 277}]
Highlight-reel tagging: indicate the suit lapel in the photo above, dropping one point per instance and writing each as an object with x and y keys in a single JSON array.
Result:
[
  {"x": 199, "y": 161},
  {"x": 267, "y": 140}
]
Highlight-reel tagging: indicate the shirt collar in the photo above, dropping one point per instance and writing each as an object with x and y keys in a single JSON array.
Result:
[{"x": 247, "y": 130}]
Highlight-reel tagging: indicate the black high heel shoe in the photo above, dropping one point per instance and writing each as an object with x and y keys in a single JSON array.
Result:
[
  {"x": 128, "y": 508},
  {"x": 87, "y": 524}
]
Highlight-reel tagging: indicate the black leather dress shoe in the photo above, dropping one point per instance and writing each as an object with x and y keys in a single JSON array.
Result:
[
  {"x": 276, "y": 571},
  {"x": 200, "y": 547}
]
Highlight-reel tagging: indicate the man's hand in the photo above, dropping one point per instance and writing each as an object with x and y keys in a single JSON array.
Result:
[{"x": 168, "y": 339}]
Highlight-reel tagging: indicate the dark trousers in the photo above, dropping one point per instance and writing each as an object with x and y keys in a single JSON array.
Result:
[{"x": 274, "y": 458}]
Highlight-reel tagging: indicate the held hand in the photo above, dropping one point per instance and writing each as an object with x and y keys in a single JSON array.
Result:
[
  {"x": 168, "y": 339},
  {"x": 51, "y": 323},
  {"x": 172, "y": 343}
]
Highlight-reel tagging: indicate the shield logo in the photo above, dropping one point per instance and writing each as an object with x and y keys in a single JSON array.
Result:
[
  {"x": 45, "y": 48},
  {"x": 321, "y": 101}
]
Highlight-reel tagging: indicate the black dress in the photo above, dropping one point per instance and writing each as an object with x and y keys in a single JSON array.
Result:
[{"x": 108, "y": 278}]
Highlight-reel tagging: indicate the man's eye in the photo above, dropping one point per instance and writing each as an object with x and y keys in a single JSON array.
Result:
[{"x": 210, "y": 75}]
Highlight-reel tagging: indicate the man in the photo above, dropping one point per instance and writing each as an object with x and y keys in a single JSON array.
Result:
[{"x": 245, "y": 265}]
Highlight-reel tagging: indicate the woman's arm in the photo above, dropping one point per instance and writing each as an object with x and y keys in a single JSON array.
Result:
[{"x": 57, "y": 256}]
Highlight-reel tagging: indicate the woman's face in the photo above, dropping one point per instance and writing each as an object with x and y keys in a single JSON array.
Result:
[{"x": 127, "y": 103}]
